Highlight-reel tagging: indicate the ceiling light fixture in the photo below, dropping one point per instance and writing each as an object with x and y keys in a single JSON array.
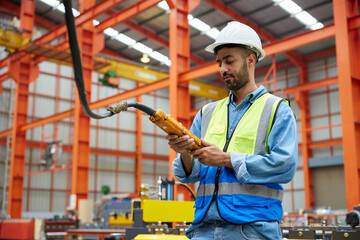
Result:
[{"x": 145, "y": 58}]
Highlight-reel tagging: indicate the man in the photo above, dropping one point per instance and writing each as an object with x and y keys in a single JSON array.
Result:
[{"x": 250, "y": 148}]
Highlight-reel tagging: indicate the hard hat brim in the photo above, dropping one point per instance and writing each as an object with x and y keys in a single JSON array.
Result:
[{"x": 211, "y": 47}]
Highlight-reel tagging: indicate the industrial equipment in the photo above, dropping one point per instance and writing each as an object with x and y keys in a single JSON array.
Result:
[{"x": 353, "y": 217}]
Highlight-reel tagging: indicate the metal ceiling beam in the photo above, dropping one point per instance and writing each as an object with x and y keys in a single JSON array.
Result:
[
  {"x": 159, "y": 40},
  {"x": 86, "y": 16},
  {"x": 292, "y": 55},
  {"x": 14, "y": 9},
  {"x": 126, "y": 13}
]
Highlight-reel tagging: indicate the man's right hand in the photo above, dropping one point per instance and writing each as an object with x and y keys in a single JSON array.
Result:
[{"x": 180, "y": 144}]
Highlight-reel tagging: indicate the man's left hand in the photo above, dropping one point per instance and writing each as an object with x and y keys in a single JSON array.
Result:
[{"x": 211, "y": 155}]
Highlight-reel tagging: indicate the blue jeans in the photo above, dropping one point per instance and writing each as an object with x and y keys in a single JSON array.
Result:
[{"x": 226, "y": 231}]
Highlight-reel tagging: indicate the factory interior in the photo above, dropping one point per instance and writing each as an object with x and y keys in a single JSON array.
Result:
[{"x": 70, "y": 168}]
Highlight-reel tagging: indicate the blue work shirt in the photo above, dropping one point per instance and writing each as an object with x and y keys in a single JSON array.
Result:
[{"x": 278, "y": 166}]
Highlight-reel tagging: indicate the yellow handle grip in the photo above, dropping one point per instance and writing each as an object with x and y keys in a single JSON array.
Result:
[{"x": 169, "y": 125}]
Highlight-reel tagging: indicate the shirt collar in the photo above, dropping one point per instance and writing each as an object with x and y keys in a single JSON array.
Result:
[{"x": 251, "y": 97}]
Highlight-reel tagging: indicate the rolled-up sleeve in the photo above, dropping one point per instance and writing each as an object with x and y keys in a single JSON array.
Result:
[
  {"x": 177, "y": 165},
  {"x": 279, "y": 166}
]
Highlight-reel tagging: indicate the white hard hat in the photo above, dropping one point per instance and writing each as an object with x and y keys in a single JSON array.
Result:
[{"x": 238, "y": 33}]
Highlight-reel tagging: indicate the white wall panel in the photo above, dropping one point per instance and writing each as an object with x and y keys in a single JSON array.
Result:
[
  {"x": 127, "y": 164},
  {"x": 162, "y": 167},
  {"x": 41, "y": 180},
  {"x": 149, "y": 179},
  {"x": 39, "y": 201},
  {"x": 298, "y": 179},
  {"x": 94, "y": 93},
  {"x": 287, "y": 202},
  {"x": 338, "y": 150},
  {"x": 336, "y": 132},
  {"x": 9, "y": 83},
  {"x": 93, "y": 137},
  {"x": 299, "y": 200},
  {"x": 147, "y": 144},
  {"x": 147, "y": 125},
  {"x": 49, "y": 67},
  {"x": 4, "y": 121},
  {"x": 109, "y": 122},
  {"x": 91, "y": 180},
  {"x": 5, "y": 101},
  {"x": 106, "y": 92},
  {"x": 321, "y": 152},
  {"x": 162, "y": 146},
  {"x": 107, "y": 162},
  {"x": 126, "y": 182},
  {"x": 106, "y": 178},
  {"x": 127, "y": 120},
  {"x": 319, "y": 134},
  {"x": 163, "y": 92},
  {"x": 60, "y": 179},
  {"x": 24, "y": 200},
  {"x": 67, "y": 89},
  {"x": 300, "y": 159},
  {"x": 44, "y": 107},
  {"x": 66, "y": 71},
  {"x": 332, "y": 70},
  {"x": 46, "y": 84},
  {"x": 65, "y": 105},
  {"x": 163, "y": 104},
  {"x": 149, "y": 100},
  {"x": 334, "y": 102},
  {"x": 107, "y": 139},
  {"x": 34, "y": 154},
  {"x": 318, "y": 104},
  {"x": 127, "y": 84},
  {"x": 59, "y": 201},
  {"x": 147, "y": 166},
  {"x": 63, "y": 132},
  {"x": 127, "y": 141},
  {"x": 293, "y": 78},
  {"x": 95, "y": 77}
]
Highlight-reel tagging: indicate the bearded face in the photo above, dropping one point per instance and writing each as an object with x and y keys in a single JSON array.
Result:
[{"x": 233, "y": 68}]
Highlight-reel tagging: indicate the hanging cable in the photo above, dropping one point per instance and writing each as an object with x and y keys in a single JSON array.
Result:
[{"x": 75, "y": 54}]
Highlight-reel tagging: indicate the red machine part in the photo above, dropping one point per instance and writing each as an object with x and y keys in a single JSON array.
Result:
[{"x": 20, "y": 229}]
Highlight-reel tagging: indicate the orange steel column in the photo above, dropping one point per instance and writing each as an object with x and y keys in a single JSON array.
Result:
[
  {"x": 23, "y": 71},
  {"x": 81, "y": 143},
  {"x": 27, "y": 17},
  {"x": 138, "y": 147},
  {"x": 302, "y": 99},
  {"x": 180, "y": 61},
  {"x": 347, "y": 55}
]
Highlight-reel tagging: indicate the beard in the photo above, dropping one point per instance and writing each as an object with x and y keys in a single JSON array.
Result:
[{"x": 240, "y": 78}]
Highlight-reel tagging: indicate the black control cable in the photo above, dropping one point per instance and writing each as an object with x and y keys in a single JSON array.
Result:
[{"x": 79, "y": 79}]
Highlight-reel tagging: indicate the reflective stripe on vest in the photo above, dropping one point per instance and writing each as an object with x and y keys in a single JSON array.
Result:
[
  {"x": 260, "y": 145},
  {"x": 237, "y": 188}
]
